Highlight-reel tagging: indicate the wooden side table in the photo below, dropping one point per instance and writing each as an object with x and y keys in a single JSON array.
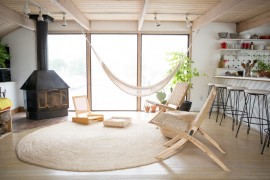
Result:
[{"x": 5, "y": 122}]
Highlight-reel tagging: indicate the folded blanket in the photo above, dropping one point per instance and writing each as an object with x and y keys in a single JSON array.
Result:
[{"x": 5, "y": 103}]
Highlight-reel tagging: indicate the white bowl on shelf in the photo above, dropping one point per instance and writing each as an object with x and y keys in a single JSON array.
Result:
[
  {"x": 258, "y": 47},
  {"x": 245, "y": 36}
]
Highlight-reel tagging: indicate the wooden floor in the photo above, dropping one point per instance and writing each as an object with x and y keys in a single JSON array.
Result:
[{"x": 243, "y": 158}]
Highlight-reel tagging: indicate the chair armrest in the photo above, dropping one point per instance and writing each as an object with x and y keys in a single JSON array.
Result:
[{"x": 161, "y": 105}]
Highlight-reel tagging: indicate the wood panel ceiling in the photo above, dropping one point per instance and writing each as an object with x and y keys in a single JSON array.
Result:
[{"x": 200, "y": 12}]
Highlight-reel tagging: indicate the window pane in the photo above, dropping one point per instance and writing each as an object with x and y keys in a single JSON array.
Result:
[
  {"x": 67, "y": 57},
  {"x": 154, "y": 53},
  {"x": 119, "y": 53}
]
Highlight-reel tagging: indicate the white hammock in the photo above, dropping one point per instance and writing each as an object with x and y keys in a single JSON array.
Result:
[{"x": 131, "y": 89}]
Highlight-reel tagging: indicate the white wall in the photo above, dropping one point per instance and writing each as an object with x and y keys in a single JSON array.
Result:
[
  {"x": 205, "y": 55},
  {"x": 22, "y": 43}
]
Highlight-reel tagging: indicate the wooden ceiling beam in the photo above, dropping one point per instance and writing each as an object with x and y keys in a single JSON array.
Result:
[
  {"x": 16, "y": 18},
  {"x": 215, "y": 12},
  {"x": 143, "y": 14},
  {"x": 253, "y": 22},
  {"x": 73, "y": 11}
]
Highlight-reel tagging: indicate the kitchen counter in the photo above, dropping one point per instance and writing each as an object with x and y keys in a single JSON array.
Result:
[{"x": 244, "y": 78}]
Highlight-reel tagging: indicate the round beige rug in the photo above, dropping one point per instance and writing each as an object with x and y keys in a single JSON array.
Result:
[{"x": 74, "y": 147}]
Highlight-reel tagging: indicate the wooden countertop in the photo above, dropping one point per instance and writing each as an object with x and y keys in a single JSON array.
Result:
[{"x": 244, "y": 78}]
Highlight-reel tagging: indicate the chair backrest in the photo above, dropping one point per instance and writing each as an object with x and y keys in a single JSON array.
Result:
[
  {"x": 81, "y": 105},
  {"x": 205, "y": 109},
  {"x": 178, "y": 94}
]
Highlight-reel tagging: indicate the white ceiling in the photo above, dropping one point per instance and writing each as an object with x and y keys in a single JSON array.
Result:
[{"x": 246, "y": 13}]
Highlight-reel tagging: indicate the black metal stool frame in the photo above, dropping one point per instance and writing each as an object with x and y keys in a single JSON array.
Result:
[
  {"x": 234, "y": 106},
  {"x": 249, "y": 113}
]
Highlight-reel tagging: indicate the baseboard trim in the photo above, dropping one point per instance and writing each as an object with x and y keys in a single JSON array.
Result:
[{"x": 16, "y": 110}]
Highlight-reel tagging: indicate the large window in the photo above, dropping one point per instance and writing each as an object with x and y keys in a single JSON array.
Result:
[
  {"x": 67, "y": 57},
  {"x": 119, "y": 53},
  {"x": 154, "y": 54}
]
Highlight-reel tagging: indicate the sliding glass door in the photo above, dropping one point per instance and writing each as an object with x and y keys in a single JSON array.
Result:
[
  {"x": 67, "y": 57},
  {"x": 119, "y": 53}
]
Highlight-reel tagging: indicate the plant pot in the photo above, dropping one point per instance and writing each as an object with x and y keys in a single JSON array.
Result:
[
  {"x": 266, "y": 74},
  {"x": 186, "y": 106},
  {"x": 147, "y": 109},
  {"x": 153, "y": 108}
]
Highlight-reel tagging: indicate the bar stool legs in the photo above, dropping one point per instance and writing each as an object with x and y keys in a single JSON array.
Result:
[
  {"x": 266, "y": 140},
  {"x": 219, "y": 103},
  {"x": 234, "y": 94},
  {"x": 252, "y": 100}
]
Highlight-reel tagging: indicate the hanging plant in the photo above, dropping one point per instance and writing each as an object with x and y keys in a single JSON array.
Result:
[{"x": 4, "y": 56}]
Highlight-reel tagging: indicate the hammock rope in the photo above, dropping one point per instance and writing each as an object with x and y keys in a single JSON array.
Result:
[{"x": 131, "y": 89}]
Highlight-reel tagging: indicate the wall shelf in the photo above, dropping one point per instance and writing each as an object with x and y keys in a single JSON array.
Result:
[
  {"x": 244, "y": 50},
  {"x": 228, "y": 39}
]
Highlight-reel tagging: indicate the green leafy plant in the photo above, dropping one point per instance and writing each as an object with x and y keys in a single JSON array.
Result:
[
  {"x": 4, "y": 56},
  {"x": 161, "y": 96},
  {"x": 262, "y": 66},
  {"x": 185, "y": 71}
]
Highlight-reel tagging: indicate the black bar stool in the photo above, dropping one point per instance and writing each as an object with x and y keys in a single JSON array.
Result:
[
  {"x": 255, "y": 98},
  {"x": 267, "y": 139},
  {"x": 219, "y": 102},
  {"x": 234, "y": 95}
]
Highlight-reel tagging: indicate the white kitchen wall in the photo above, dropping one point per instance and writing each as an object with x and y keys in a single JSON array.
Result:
[
  {"x": 205, "y": 55},
  {"x": 22, "y": 43}
]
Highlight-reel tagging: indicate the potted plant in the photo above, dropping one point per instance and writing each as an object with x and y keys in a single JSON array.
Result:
[
  {"x": 184, "y": 73},
  {"x": 161, "y": 96},
  {"x": 4, "y": 56},
  {"x": 263, "y": 69}
]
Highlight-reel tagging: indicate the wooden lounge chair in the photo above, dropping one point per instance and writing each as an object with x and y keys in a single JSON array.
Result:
[
  {"x": 171, "y": 123},
  {"x": 82, "y": 110},
  {"x": 176, "y": 99}
]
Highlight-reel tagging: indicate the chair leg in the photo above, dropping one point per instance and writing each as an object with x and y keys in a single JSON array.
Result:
[
  {"x": 211, "y": 140},
  {"x": 171, "y": 150},
  {"x": 172, "y": 141},
  {"x": 208, "y": 152}
]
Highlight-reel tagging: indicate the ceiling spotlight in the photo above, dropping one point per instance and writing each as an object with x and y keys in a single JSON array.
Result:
[
  {"x": 156, "y": 20},
  {"x": 64, "y": 20},
  {"x": 26, "y": 9},
  {"x": 189, "y": 24},
  {"x": 40, "y": 17}
]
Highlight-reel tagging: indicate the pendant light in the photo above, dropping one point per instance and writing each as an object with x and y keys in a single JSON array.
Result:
[{"x": 26, "y": 9}]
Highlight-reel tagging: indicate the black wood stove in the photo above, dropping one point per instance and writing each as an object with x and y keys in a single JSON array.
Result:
[{"x": 45, "y": 93}]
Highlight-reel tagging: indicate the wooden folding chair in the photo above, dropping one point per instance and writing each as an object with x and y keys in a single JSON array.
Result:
[
  {"x": 176, "y": 98},
  {"x": 171, "y": 123},
  {"x": 82, "y": 110}
]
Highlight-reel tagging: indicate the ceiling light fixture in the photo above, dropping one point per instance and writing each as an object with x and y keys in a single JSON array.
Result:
[
  {"x": 189, "y": 24},
  {"x": 26, "y": 9},
  {"x": 64, "y": 20},
  {"x": 156, "y": 20},
  {"x": 40, "y": 17}
]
